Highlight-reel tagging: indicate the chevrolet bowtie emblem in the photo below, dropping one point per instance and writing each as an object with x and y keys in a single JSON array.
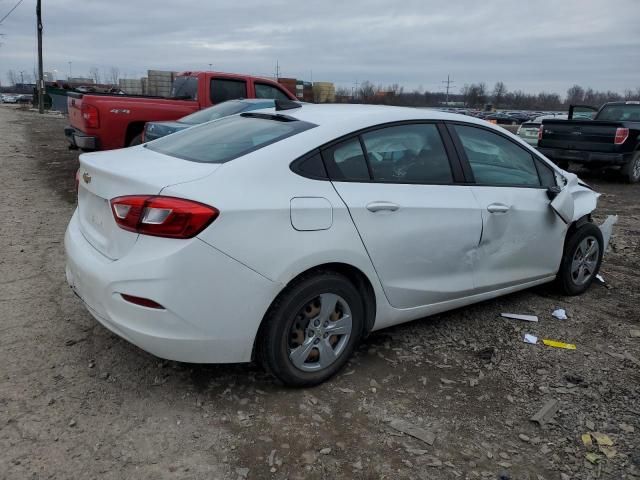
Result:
[{"x": 86, "y": 177}]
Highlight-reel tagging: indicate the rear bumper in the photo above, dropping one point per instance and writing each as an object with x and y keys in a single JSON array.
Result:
[
  {"x": 77, "y": 139},
  {"x": 578, "y": 156},
  {"x": 213, "y": 305}
]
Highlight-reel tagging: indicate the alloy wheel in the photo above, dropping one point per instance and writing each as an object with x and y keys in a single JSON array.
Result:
[
  {"x": 585, "y": 260},
  {"x": 320, "y": 332}
]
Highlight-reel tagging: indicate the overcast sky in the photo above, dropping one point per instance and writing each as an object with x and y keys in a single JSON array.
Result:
[{"x": 531, "y": 45}]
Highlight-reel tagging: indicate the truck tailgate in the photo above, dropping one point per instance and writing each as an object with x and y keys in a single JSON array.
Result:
[
  {"x": 590, "y": 135},
  {"x": 74, "y": 104}
]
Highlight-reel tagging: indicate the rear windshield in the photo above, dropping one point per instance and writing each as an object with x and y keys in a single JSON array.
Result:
[
  {"x": 185, "y": 88},
  {"x": 227, "y": 138},
  {"x": 619, "y": 113},
  {"x": 223, "y": 110}
]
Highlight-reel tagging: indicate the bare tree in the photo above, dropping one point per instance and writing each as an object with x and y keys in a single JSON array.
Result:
[
  {"x": 366, "y": 91},
  {"x": 475, "y": 95},
  {"x": 113, "y": 76},
  {"x": 12, "y": 77},
  {"x": 499, "y": 91},
  {"x": 575, "y": 95},
  {"x": 95, "y": 74}
]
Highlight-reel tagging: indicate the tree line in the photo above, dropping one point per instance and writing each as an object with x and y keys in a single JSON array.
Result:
[{"x": 478, "y": 95}]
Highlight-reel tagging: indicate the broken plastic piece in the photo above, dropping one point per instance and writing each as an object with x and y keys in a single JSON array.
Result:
[
  {"x": 560, "y": 314},
  {"x": 517, "y": 316},
  {"x": 592, "y": 457},
  {"x": 602, "y": 439},
  {"x": 609, "y": 452},
  {"x": 600, "y": 278},
  {"x": 586, "y": 439},
  {"x": 607, "y": 228},
  {"x": 547, "y": 412},
  {"x": 528, "y": 338},
  {"x": 556, "y": 344}
]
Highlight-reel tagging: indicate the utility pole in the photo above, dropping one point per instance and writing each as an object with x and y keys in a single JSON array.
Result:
[
  {"x": 277, "y": 70},
  {"x": 356, "y": 90},
  {"x": 22, "y": 77},
  {"x": 70, "y": 71},
  {"x": 449, "y": 82},
  {"x": 40, "y": 72},
  {"x": 211, "y": 67}
]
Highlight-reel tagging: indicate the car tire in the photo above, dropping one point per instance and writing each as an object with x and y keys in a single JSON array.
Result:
[
  {"x": 296, "y": 322},
  {"x": 137, "y": 140},
  {"x": 631, "y": 170},
  {"x": 581, "y": 259}
]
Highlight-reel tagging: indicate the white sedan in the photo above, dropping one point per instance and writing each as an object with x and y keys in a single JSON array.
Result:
[{"x": 288, "y": 234}]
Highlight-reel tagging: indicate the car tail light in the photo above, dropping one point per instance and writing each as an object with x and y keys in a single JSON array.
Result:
[
  {"x": 540, "y": 132},
  {"x": 90, "y": 116},
  {"x": 621, "y": 136},
  {"x": 162, "y": 216},
  {"x": 143, "y": 302}
]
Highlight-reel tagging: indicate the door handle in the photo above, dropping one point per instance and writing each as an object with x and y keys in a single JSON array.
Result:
[
  {"x": 379, "y": 206},
  {"x": 498, "y": 208}
]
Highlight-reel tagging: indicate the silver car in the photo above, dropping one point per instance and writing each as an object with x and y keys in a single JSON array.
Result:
[{"x": 528, "y": 131}]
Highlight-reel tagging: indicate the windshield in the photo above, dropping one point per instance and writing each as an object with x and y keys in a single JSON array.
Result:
[
  {"x": 223, "y": 110},
  {"x": 185, "y": 88},
  {"x": 228, "y": 138},
  {"x": 619, "y": 113}
]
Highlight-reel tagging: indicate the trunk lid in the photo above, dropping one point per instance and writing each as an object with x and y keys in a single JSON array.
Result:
[
  {"x": 589, "y": 135},
  {"x": 131, "y": 171}
]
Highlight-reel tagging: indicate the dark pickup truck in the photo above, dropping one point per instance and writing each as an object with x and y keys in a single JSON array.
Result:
[{"x": 611, "y": 139}]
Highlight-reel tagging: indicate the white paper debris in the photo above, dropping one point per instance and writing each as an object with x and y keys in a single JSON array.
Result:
[
  {"x": 560, "y": 314},
  {"x": 528, "y": 338},
  {"x": 607, "y": 228},
  {"x": 517, "y": 316},
  {"x": 600, "y": 278}
]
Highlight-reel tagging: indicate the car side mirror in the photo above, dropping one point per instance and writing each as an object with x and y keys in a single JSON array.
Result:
[{"x": 553, "y": 192}]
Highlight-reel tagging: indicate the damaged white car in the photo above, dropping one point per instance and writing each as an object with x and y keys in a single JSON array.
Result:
[{"x": 287, "y": 234}]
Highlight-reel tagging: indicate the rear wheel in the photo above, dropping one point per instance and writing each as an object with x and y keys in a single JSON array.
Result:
[
  {"x": 312, "y": 329},
  {"x": 631, "y": 170},
  {"x": 581, "y": 259}
]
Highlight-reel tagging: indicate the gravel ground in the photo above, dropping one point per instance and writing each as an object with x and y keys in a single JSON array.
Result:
[{"x": 77, "y": 402}]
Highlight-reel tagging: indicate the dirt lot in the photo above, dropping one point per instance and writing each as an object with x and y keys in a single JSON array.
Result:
[{"x": 77, "y": 402}]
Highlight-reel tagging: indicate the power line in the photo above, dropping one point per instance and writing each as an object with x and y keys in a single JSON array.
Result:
[
  {"x": 11, "y": 11},
  {"x": 449, "y": 82}
]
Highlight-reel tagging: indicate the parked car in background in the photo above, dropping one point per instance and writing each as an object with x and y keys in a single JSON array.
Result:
[
  {"x": 501, "y": 119},
  {"x": 9, "y": 98},
  {"x": 529, "y": 131},
  {"x": 104, "y": 121},
  {"x": 153, "y": 130},
  {"x": 288, "y": 236},
  {"x": 610, "y": 140}
]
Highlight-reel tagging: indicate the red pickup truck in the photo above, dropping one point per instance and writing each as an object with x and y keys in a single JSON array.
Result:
[{"x": 108, "y": 121}]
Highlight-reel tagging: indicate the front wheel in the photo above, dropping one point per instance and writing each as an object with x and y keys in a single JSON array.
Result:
[
  {"x": 312, "y": 329},
  {"x": 631, "y": 170},
  {"x": 581, "y": 259}
]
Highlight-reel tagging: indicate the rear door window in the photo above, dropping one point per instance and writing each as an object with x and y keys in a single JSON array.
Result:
[
  {"x": 223, "y": 89},
  {"x": 227, "y": 138},
  {"x": 269, "y": 91},
  {"x": 408, "y": 154}
]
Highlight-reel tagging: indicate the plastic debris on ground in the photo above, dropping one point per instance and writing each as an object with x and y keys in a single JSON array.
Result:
[
  {"x": 600, "y": 278},
  {"x": 557, "y": 344},
  {"x": 586, "y": 439},
  {"x": 546, "y": 413},
  {"x": 528, "y": 338},
  {"x": 560, "y": 314},
  {"x": 592, "y": 457},
  {"x": 517, "y": 316},
  {"x": 607, "y": 228}
]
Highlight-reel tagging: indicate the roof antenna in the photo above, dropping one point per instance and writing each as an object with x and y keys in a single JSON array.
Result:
[{"x": 286, "y": 105}]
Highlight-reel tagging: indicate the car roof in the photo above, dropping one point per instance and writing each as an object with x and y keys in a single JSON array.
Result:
[{"x": 341, "y": 119}]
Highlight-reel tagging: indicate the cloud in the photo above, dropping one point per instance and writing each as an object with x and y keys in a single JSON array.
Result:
[{"x": 534, "y": 46}]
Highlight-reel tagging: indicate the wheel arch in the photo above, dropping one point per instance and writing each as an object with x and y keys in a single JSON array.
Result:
[
  {"x": 133, "y": 130},
  {"x": 354, "y": 274}
]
